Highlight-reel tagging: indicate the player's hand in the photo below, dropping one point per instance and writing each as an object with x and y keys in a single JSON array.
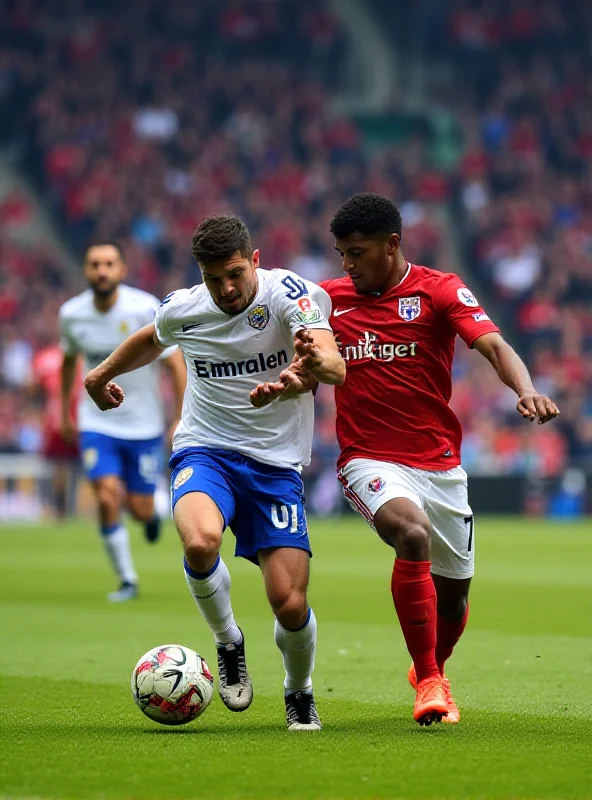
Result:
[
  {"x": 105, "y": 395},
  {"x": 68, "y": 430},
  {"x": 309, "y": 354},
  {"x": 537, "y": 406},
  {"x": 290, "y": 384}
]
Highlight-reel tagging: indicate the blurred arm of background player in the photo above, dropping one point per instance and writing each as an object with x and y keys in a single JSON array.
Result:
[
  {"x": 138, "y": 350},
  {"x": 68, "y": 376},
  {"x": 317, "y": 361},
  {"x": 175, "y": 366},
  {"x": 513, "y": 372}
]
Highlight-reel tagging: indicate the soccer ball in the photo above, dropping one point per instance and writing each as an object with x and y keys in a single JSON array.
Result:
[{"x": 172, "y": 684}]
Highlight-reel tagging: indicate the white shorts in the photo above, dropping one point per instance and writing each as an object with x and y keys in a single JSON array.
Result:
[{"x": 368, "y": 485}]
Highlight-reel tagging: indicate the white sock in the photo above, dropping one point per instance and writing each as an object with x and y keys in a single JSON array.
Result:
[
  {"x": 298, "y": 651},
  {"x": 117, "y": 545},
  {"x": 211, "y": 592}
]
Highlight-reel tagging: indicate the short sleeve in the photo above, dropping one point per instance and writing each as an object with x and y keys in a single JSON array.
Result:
[
  {"x": 68, "y": 344},
  {"x": 462, "y": 310},
  {"x": 302, "y": 304},
  {"x": 161, "y": 322},
  {"x": 153, "y": 309}
]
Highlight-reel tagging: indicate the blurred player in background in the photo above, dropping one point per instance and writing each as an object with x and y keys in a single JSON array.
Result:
[
  {"x": 62, "y": 455},
  {"x": 234, "y": 464},
  {"x": 121, "y": 451},
  {"x": 400, "y": 441}
]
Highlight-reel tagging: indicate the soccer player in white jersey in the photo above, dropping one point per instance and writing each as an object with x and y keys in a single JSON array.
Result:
[
  {"x": 122, "y": 451},
  {"x": 233, "y": 464}
]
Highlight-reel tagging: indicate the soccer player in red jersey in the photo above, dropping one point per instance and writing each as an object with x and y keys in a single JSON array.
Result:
[
  {"x": 400, "y": 441},
  {"x": 396, "y": 325}
]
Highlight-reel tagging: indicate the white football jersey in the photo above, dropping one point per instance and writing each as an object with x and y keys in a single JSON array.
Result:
[
  {"x": 94, "y": 334},
  {"x": 228, "y": 355}
]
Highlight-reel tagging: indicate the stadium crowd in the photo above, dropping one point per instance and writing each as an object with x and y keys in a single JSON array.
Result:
[{"x": 131, "y": 131}]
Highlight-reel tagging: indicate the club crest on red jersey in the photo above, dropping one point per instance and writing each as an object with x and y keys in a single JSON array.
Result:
[
  {"x": 409, "y": 308},
  {"x": 375, "y": 485}
]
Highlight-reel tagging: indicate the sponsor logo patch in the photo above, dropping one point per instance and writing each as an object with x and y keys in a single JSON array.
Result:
[
  {"x": 480, "y": 317},
  {"x": 307, "y": 317},
  {"x": 375, "y": 485},
  {"x": 409, "y": 308},
  {"x": 182, "y": 477},
  {"x": 467, "y": 297},
  {"x": 258, "y": 317}
]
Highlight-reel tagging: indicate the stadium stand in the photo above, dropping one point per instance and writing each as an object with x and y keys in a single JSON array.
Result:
[{"x": 127, "y": 128}]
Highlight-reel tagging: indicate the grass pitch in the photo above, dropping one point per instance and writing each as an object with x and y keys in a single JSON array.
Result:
[{"x": 522, "y": 675}]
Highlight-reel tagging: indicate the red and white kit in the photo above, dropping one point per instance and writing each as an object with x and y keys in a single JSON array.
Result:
[{"x": 397, "y": 433}]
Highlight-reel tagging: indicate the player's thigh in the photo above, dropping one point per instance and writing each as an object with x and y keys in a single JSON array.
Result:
[
  {"x": 453, "y": 539},
  {"x": 202, "y": 499},
  {"x": 270, "y": 511},
  {"x": 388, "y": 496},
  {"x": 142, "y": 465},
  {"x": 285, "y": 573}
]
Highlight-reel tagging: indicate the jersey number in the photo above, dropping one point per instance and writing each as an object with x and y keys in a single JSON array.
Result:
[
  {"x": 296, "y": 288},
  {"x": 471, "y": 524},
  {"x": 286, "y": 518}
]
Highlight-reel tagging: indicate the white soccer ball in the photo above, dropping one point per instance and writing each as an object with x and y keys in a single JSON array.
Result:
[{"x": 172, "y": 684}]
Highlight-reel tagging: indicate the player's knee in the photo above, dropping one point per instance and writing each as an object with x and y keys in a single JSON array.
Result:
[
  {"x": 201, "y": 549},
  {"x": 290, "y": 609},
  {"x": 108, "y": 502},
  {"x": 411, "y": 539},
  {"x": 453, "y": 609}
]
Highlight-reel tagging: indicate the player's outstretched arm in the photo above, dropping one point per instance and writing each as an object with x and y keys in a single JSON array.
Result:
[
  {"x": 175, "y": 366},
  {"x": 513, "y": 372},
  {"x": 319, "y": 356},
  {"x": 138, "y": 350}
]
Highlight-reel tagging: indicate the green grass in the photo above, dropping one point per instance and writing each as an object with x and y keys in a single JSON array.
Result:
[{"x": 522, "y": 676}]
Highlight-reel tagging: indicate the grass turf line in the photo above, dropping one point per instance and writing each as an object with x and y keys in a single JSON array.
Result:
[{"x": 70, "y": 730}]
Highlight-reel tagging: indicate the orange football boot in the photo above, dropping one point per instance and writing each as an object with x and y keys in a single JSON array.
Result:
[
  {"x": 430, "y": 701},
  {"x": 453, "y": 716}
]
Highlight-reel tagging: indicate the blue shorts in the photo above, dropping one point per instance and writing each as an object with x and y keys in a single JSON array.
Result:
[
  {"x": 263, "y": 505},
  {"x": 138, "y": 463}
]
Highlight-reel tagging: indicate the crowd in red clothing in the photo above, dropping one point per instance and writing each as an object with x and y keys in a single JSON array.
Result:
[{"x": 137, "y": 121}]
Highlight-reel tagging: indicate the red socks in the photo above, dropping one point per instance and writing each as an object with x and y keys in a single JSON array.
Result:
[
  {"x": 447, "y": 635},
  {"x": 414, "y": 596}
]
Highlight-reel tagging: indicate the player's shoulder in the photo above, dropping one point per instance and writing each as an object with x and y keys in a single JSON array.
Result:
[
  {"x": 185, "y": 301},
  {"x": 433, "y": 278},
  {"x": 79, "y": 304},
  {"x": 283, "y": 282},
  {"x": 338, "y": 287}
]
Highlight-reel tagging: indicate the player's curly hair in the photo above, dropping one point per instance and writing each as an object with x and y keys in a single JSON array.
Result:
[
  {"x": 219, "y": 237},
  {"x": 368, "y": 214}
]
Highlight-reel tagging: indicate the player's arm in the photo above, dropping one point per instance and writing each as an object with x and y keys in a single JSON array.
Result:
[
  {"x": 175, "y": 366},
  {"x": 514, "y": 373},
  {"x": 138, "y": 350},
  {"x": 67, "y": 378},
  {"x": 292, "y": 382},
  {"x": 319, "y": 355}
]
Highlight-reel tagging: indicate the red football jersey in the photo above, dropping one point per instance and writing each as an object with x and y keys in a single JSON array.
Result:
[{"x": 398, "y": 348}]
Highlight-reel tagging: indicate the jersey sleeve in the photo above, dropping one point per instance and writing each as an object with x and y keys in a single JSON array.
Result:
[
  {"x": 155, "y": 305},
  {"x": 68, "y": 343},
  {"x": 302, "y": 304},
  {"x": 162, "y": 321},
  {"x": 462, "y": 310}
]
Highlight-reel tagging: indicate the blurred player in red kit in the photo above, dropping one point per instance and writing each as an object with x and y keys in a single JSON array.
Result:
[
  {"x": 396, "y": 324},
  {"x": 62, "y": 455}
]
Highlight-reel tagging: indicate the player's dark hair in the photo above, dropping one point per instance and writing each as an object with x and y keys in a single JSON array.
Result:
[
  {"x": 219, "y": 237},
  {"x": 104, "y": 243},
  {"x": 368, "y": 214}
]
